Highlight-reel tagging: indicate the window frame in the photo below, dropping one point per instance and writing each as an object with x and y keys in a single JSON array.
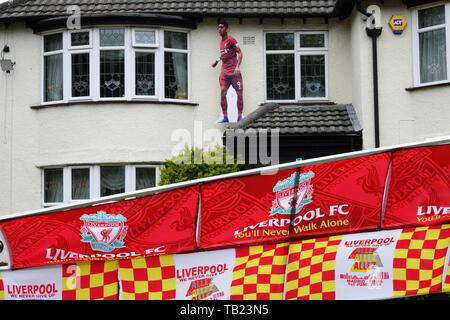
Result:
[
  {"x": 94, "y": 180},
  {"x": 415, "y": 42},
  {"x": 89, "y": 46},
  {"x": 130, "y": 49},
  {"x": 187, "y": 51},
  {"x": 69, "y": 72},
  {"x": 298, "y": 51},
  {"x": 141, "y": 45},
  {"x": 67, "y": 176},
  {"x": 44, "y": 54}
]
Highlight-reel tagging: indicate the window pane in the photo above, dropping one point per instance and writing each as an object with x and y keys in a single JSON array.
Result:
[
  {"x": 146, "y": 37},
  {"x": 433, "y": 53},
  {"x": 79, "y": 39},
  {"x": 112, "y": 37},
  {"x": 112, "y": 180},
  {"x": 53, "y": 185},
  {"x": 80, "y": 75},
  {"x": 312, "y": 40},
  {"x": 312, "y": 76},
  {"x": 175, "y": 75},
  {"x": 53, "y": 77},
  {"x": 53, "y": 42},
  {"x": 280, "y": 73},
  {"x": 145, "y": 178},
  {"x": 175, "y": 40},
  {"x": 279, "y": 41},
  {"x": 112, "y": 73},
  {"x": 145, "y": 73},
  {"x": 80, "y": 184},
  {"x": 431, "y": 17}
]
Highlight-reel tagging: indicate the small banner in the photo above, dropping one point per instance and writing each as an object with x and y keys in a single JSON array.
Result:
[
  {"x": 158, "y": 224},
  {"x": 40, "y": 283},
  {"x": 419, "y": 188},
  {"x": 83, "y": 281},
  {"x": 245, "y": 273},
  {"x": 375, "y": 265},
  {"x": 337, "y": 197}
]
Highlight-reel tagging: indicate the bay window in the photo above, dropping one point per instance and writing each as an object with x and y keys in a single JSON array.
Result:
[
  {"x": 296, "y": 66},
  {"x": 431, "y": 39},
  {"x": 115, "y": 63},
  {"x": 75, "y": 183}
]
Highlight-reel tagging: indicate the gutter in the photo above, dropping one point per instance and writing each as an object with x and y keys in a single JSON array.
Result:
[{"x": 373, "y": 33}]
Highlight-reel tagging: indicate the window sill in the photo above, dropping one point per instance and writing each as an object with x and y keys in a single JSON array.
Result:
[
  {"x": 428, "y": 86},
  {"x": 138, "y": 101}
]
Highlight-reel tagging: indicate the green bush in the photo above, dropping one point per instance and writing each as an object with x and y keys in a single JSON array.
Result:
[{"x": 196, "y": 163}]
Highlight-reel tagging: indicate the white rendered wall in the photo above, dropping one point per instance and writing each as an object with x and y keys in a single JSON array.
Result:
[{"x": 405, "y": 116}]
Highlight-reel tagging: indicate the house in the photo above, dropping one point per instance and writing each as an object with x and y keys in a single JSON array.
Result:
[{"x": 94, "y": 96}]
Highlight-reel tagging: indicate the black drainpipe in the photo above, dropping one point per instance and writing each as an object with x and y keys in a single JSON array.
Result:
[{"x": 374, "y": 33}]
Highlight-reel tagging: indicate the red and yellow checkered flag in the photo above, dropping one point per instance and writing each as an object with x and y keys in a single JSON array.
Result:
[
  {"x": 310, "y": 269},
  {"x": 419, "y": 260},
  {"x": 259, "y": 272},
  {"x": 96, "y": 280},
  {"x": 148, "y": 278}
]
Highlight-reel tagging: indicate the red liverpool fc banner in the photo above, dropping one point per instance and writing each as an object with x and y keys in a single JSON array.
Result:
[
  {"x": 328, "y": 198},
  {"x": 419, "y": 188},
  {"x": 158, "y": 224}
]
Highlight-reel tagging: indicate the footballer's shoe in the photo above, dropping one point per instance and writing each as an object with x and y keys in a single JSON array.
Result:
[
  {"x": 240, "y": 118},
  {"x": 224, "y": 120}
]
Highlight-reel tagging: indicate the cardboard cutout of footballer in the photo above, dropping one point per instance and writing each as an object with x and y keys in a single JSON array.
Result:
[{"x": 230, "y": 79}]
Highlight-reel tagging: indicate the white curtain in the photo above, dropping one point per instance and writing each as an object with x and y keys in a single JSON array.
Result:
[
  {"x": 180, "y": 67},
  {"x": 80, "y": 184},
  {"x": 53, "y": 77},
  {"x": 433, "y": 53},
  {"x": 112, "y": 180},
  {"x": 53, "y": 185}
]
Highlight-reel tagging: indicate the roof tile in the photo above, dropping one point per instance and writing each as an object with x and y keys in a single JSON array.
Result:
[
  {"x": 52, "y": 8},
  {"x": 316, "y": 119}
]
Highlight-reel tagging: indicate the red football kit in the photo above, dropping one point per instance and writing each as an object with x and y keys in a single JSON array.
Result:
[{"x": 228, "y": 54}]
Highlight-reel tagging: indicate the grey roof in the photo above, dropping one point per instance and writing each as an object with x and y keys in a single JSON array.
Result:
[
  {"x": 302, "y": 119},
  {"x": 52, "y": 8}
]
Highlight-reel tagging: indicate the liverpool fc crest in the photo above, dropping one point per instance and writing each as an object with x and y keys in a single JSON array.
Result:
[
  {"x": 297, "y": 188},
  {"x": 105, "y": 232}
]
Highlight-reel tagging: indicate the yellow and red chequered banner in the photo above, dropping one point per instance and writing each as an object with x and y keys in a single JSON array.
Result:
[
  {"x": 310, "y": 270},
  {"x": 259, "y": 272},
  {"x": 419, "y": 260},
  {"x": 248, "y": 273},
  {"x": 147, "y": 278},
  {"x": 375, "y": 265},
  {"x": 91, "y": 281},
  {"x": 96, "y": 280}
]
